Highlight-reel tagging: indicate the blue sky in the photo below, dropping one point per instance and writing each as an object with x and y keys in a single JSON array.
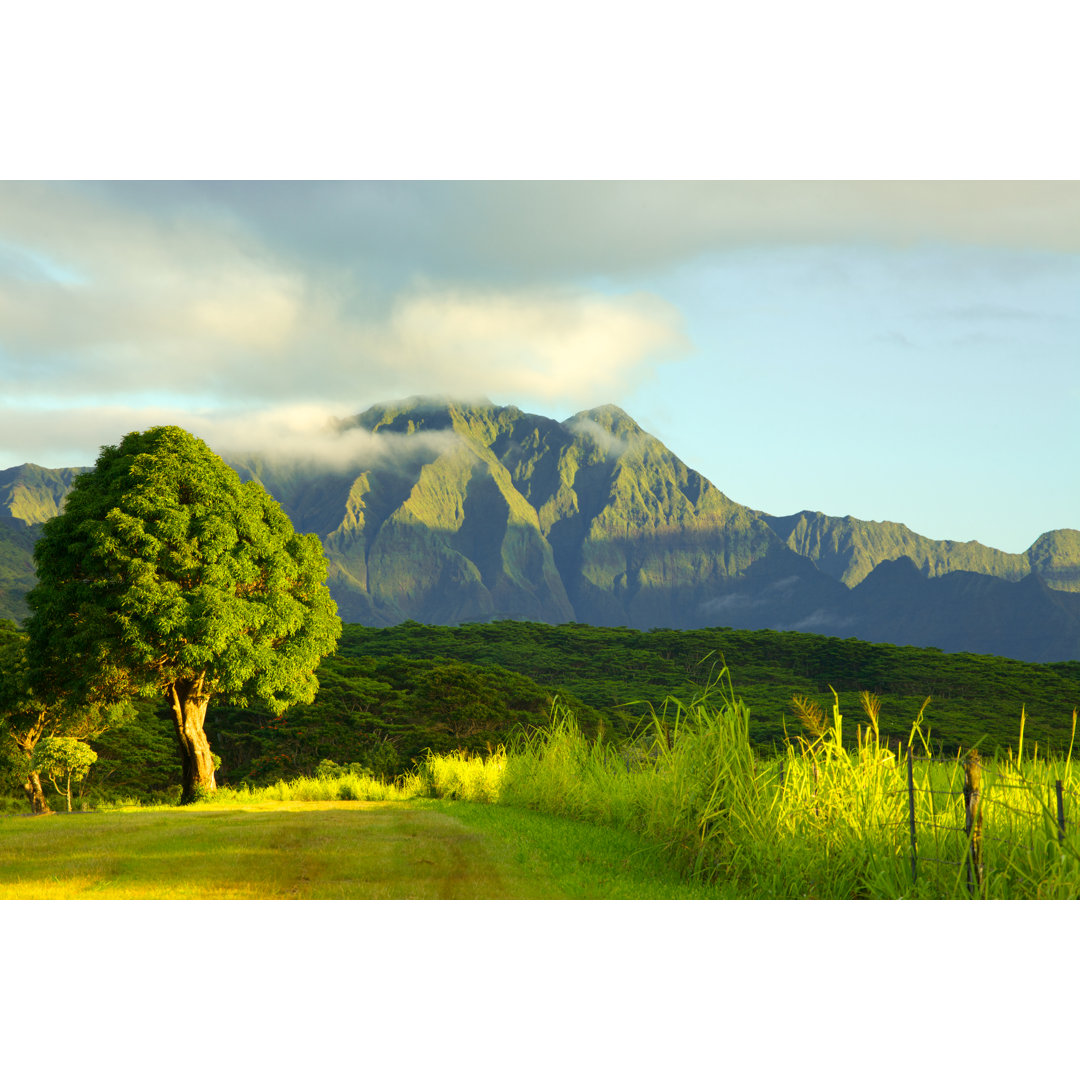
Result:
[{"x": 900, "y": 351}]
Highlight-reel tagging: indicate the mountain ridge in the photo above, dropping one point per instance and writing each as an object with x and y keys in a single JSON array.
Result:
[{"x": 462, "y": 511}]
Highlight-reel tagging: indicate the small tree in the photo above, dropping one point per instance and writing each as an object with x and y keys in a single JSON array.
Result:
[
  {"x": 29, "y": 714},
  {"x": 63, "y": 757},
  {"x": 24, "y": 718},
  {"x": 165, "y": 575}
]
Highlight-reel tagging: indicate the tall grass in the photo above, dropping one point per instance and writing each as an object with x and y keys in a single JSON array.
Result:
[
  {"x": 818, "y": 820},
  {"x": 349, "y": 787},
  {"x": 460, "y": 775}
]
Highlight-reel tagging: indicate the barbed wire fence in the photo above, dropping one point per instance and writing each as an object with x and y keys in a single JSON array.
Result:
[{"x": 924, "y": 814}]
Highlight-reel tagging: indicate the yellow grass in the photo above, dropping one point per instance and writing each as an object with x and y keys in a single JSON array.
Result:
[{"x": 270, "y": 850}]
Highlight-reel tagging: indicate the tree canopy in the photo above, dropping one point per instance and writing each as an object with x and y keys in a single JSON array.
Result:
[
  {"x": 63, "y": 757},
  {"x": 165, "y": 575}
]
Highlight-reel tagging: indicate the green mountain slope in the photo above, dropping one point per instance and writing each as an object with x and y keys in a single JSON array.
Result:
[
  {"x": 29, "y": 495},
  {"x": 848, "y": 550},
  {"x": 448, "y": 512},
  {"x": 1055, "y": 557}
]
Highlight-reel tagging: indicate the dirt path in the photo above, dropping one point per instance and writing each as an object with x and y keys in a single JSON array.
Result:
[{"x": 305, "y": 851}]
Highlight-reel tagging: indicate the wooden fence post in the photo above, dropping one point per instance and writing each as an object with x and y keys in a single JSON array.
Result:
[
  {"x": 911, "y": 814},
  {"x": 973, "y": 820},
  {"x": 1060, "y": 810}
]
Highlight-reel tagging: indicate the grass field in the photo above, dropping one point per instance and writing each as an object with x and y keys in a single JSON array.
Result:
[
  {"x": 690, "y": 808},
  {"x": 309, "y": 850}
]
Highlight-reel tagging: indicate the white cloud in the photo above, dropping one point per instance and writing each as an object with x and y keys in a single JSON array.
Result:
[
  {"x": 185, "y": 305},
  {"x": 302, "y": 434},
  {"x": 547, "y": 345},
  {"x": 243, "y": 298},
  {"x": 613, "y": 445},
  {"x": 310, "y": 435},
  {"x": 821, "y": 619}
]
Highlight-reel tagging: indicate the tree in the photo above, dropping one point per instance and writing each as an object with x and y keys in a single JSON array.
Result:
[
  {"x": 23, "y": 717},
  {"x": 63, "y": 757},
  {"x": 31, "y": 713},
  {"x": 165, "y": 575}
]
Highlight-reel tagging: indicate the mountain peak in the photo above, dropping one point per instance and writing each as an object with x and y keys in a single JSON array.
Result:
[
  {"x": 419, "y": 413},
  {"x": 610, "y": 417}
]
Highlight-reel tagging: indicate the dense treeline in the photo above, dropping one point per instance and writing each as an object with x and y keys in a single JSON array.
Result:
[
  {"x": 618, "y": 670},
  {"x": 391, "y": 694}
]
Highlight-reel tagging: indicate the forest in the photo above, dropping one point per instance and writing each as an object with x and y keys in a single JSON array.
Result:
[{"x": 389, "y": 695}]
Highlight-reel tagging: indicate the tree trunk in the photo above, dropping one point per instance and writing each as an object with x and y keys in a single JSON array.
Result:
[
  {"x": 38, "y": 803},
  {"x": 189, "y": 701}
]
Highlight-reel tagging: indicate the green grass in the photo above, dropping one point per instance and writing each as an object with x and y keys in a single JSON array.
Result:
[
  {"x": 589, "y": 862},
  {"x": 309, "y": 850},
  {"x": 689, "y": 809}
]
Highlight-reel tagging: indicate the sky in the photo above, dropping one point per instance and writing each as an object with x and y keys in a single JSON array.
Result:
[{"x": 904, "y": 351}]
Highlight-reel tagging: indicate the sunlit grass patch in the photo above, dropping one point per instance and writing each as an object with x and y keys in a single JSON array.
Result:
[
  {"x": 464, "y": 776},
  {"x": 263, "y": 850}
]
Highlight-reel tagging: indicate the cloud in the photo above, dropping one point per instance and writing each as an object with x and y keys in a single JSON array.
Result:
[
  {"x": 247, "y": 297},
  {"x": 989, "y": 313},
  {"x": 822, "y": 620},
  {"x": 302, "y": 435},
  {"x": 613, "y": 445},
  {"x": 546, "y": 345},
  {"x": 189, "y": 306},
  {"x": 763, "y": 596},
  {"x": 309, "y": 435},
  {"x": 894, "y": 337},
  {"x": 536, "y": 230}
]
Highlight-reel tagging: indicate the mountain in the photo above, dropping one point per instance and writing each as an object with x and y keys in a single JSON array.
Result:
[
  {"x": 849, "y": 549},
  {"x": 29, "y": 495},
  {"x": 451, "y": 512},
  {"x": 478, "y": 512}
]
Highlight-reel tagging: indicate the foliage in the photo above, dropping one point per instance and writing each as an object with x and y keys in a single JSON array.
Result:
[
  {"x": 616, "y": 671},
  {"x": 28, "y": 716},
  {"x": 386, "y": 713},
  {"x": 137, "y": 759},
  {"x": 379, "y": 705},
  {"x": 61, "y": 758},
  {"x": 164, "y": 575},
  {"x": 64, "y": 757}
]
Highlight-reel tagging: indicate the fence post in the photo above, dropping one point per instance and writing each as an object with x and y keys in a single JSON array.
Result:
[
  {"x": 973, "y": 820},
  {"x": 1060, "y": 810},
  {"x": 911, "y": 814}
]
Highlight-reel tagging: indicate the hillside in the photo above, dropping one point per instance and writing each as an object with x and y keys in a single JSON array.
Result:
[
  {"x": 619, "y": 672},
  {"x": 390, "y": 694},
  {"x": 472, "y": 512}
]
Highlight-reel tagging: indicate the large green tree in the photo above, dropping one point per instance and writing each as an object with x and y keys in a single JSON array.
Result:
[{"x": 165, "y": 575}]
